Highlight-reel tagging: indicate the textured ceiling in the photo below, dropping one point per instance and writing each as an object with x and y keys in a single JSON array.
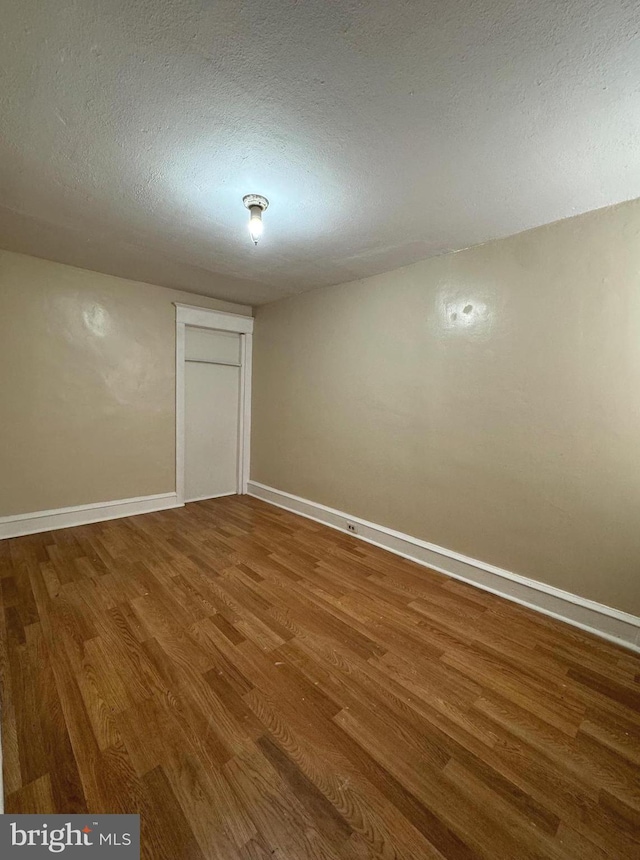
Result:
[{"x": 382, "y": 132}]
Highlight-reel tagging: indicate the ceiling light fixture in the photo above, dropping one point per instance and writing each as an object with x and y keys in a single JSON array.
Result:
[{"x": 256, "y": 204}]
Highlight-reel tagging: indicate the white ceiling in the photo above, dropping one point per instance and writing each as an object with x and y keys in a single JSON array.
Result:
[{"x": 382, "y": 132}]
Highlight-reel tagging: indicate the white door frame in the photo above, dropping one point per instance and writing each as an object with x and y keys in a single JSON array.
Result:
[{"x": 215, "y": 321}]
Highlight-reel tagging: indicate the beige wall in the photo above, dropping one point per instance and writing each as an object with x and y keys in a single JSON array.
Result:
[
  {"x": 487, "y": 401},
  {"x": 87, "y": 375}
]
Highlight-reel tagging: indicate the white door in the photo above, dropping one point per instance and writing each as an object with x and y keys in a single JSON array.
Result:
[{"x": 212, "y": 413}]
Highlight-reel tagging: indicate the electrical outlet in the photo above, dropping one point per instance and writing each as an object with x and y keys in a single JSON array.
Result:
[{"x": 351, "y": 527}]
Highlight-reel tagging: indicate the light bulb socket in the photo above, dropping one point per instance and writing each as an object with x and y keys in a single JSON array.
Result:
[{"x": 251, "y": 200}]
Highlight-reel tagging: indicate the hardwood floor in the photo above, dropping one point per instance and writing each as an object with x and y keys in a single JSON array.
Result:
[{"x": 257, "y": 686}]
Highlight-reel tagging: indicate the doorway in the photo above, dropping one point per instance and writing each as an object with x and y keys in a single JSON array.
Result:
[{"x": 213, "y": 394}]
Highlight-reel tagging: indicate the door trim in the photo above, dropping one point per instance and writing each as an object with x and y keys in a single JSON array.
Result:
[{"x": 188, "y": 315}]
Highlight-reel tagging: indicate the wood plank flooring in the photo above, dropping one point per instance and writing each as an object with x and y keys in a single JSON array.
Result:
[{"x": 257, "y": 686}]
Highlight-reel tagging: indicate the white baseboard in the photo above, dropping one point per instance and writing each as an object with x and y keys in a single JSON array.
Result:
[
  {"x": 605, "y": 621},
  {"x": 80, "y": 515}
]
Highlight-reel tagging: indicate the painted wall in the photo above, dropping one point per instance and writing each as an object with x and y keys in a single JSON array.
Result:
[
  {"x": 87, "y": 382},
  {"x": 486, "y": 401}
]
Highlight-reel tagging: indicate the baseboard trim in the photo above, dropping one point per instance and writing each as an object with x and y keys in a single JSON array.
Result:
[
  {"x": 604, "y": 621},
  {"x": 64, "y": 518}
]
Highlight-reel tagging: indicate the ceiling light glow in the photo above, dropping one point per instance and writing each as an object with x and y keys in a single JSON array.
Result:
[{"x": 256, "y": 204}]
